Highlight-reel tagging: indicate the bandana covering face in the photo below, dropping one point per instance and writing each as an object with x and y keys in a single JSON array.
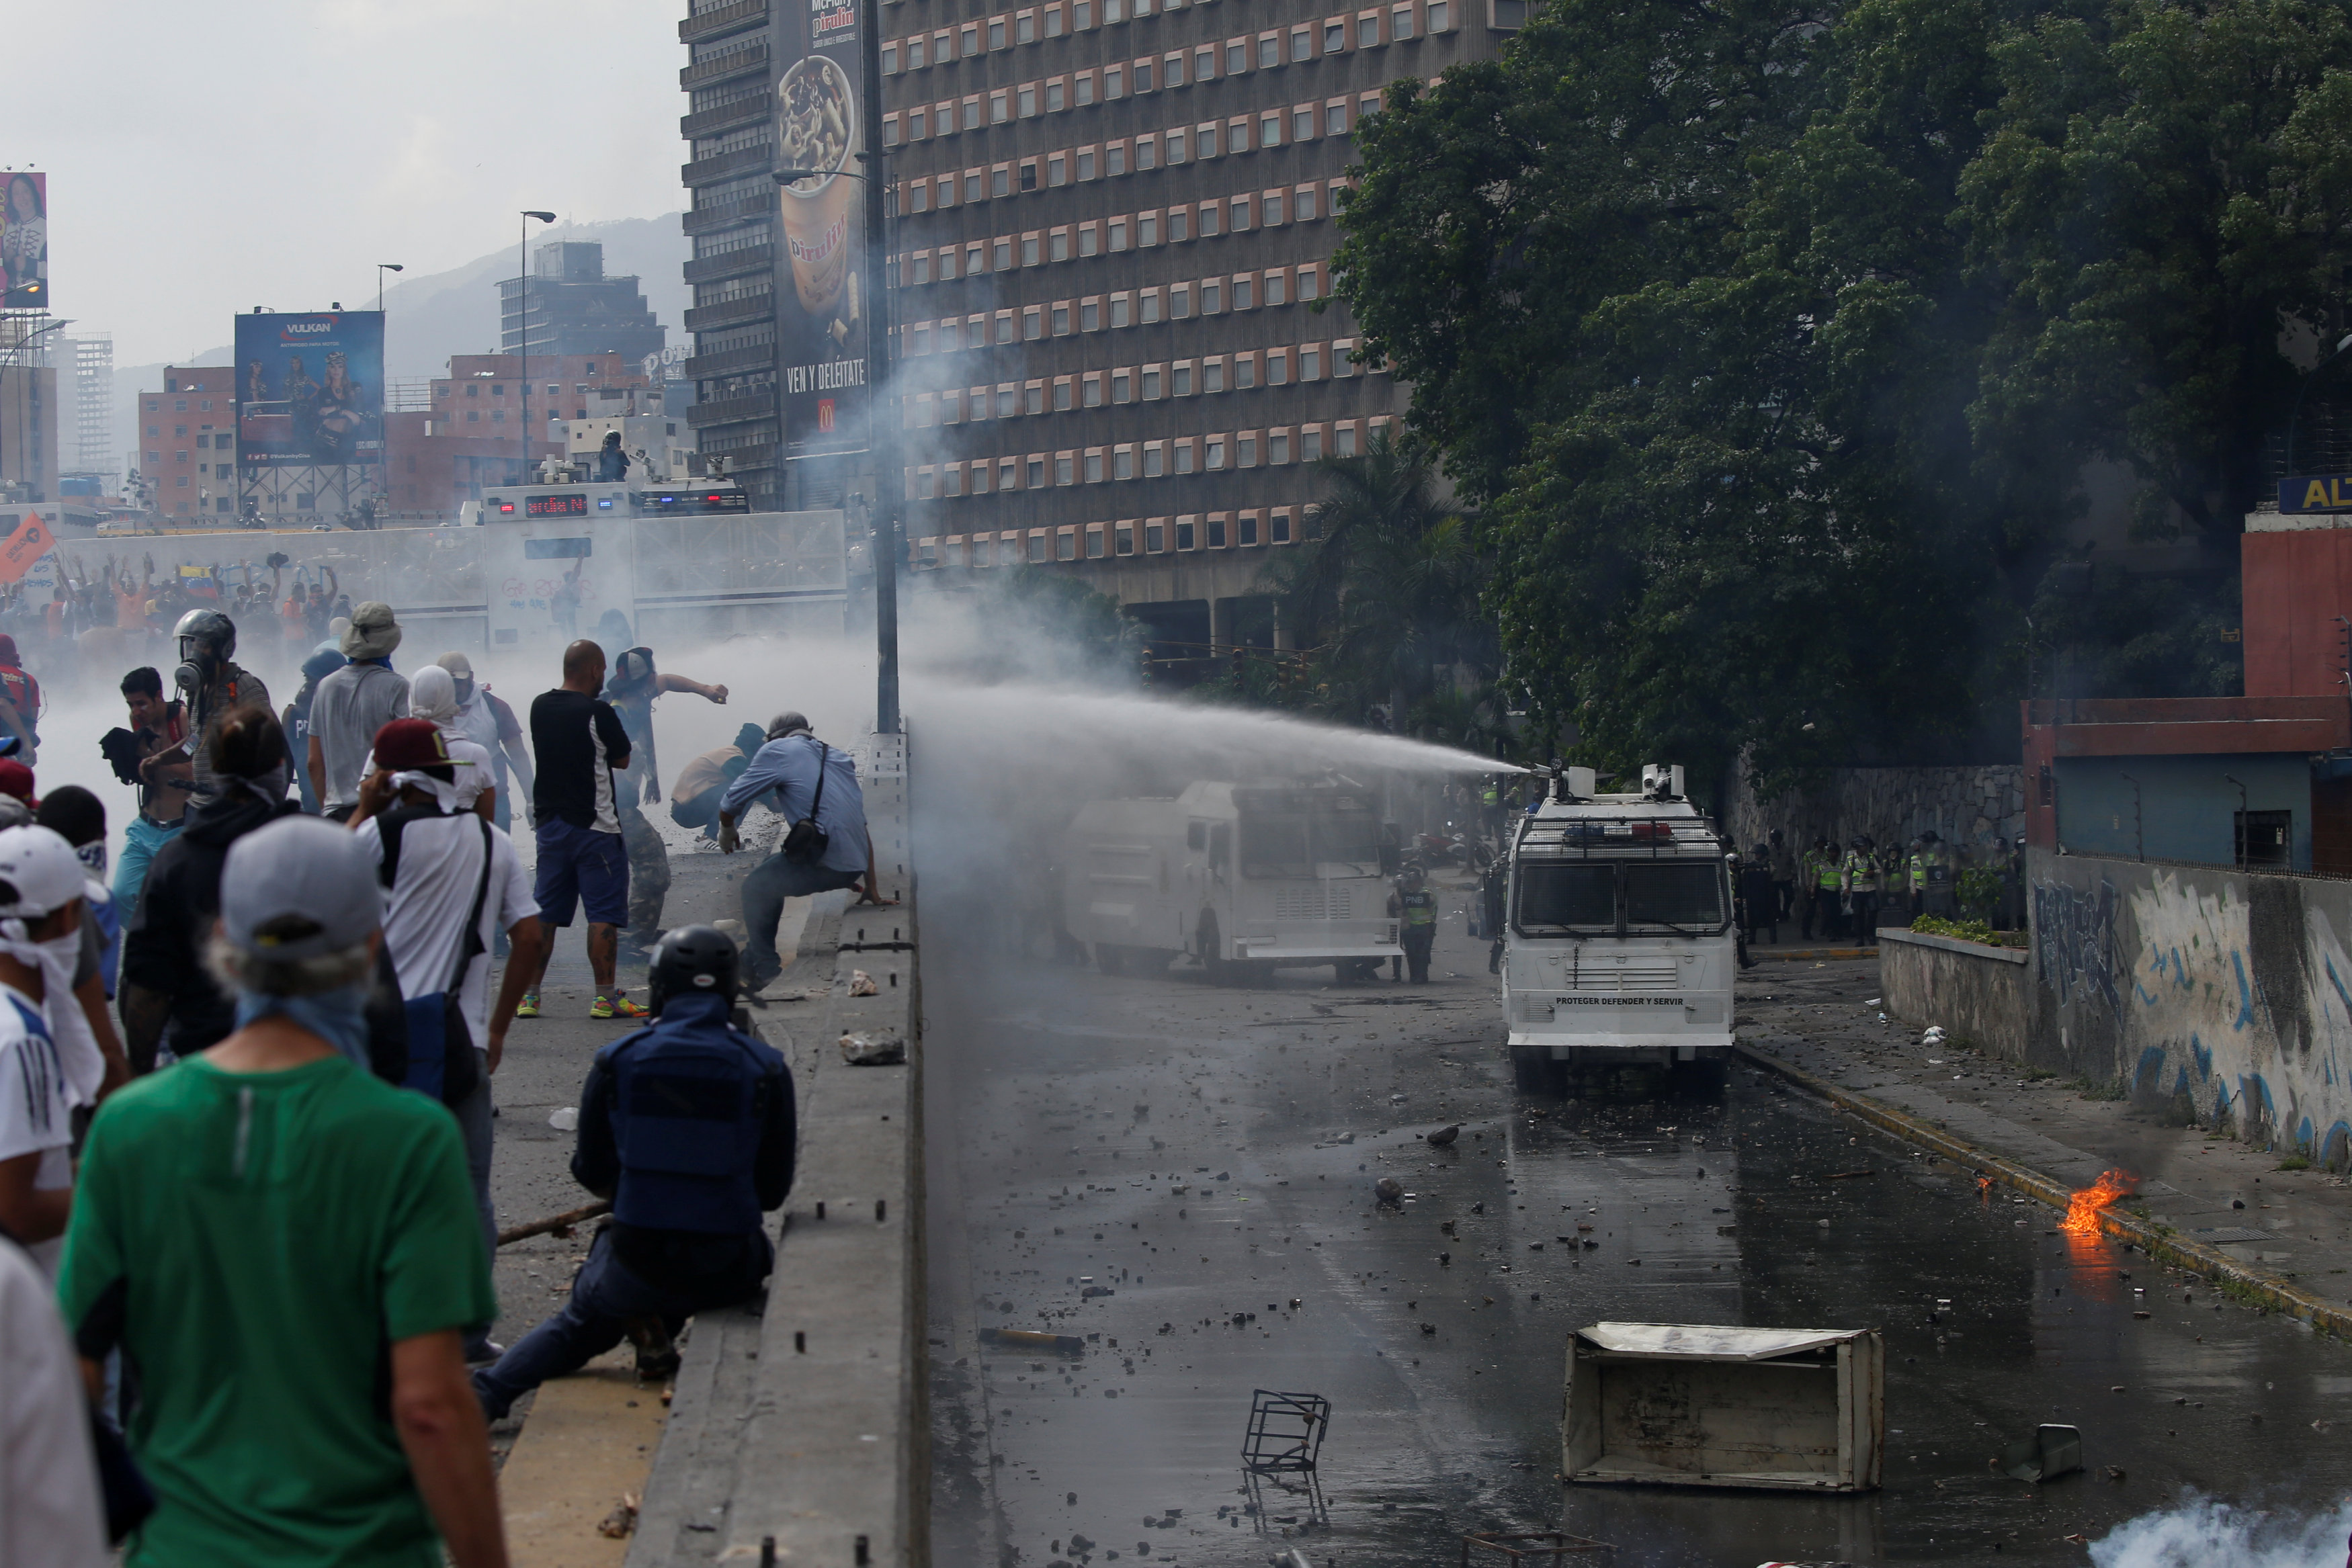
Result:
[
  {"x": 443, "y": 795},
  {"x": 69, "y": 1027}
]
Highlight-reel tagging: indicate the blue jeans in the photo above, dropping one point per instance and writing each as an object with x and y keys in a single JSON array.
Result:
[
  {"x": 772, "y": 882},
  {"x": 606, "y": 1296},
  {"x": 141, "y": 839}
]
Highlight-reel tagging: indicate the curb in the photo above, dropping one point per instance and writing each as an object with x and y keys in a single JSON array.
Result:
[
  {"x": 1787, "y": 955},
  {"x": 2160, "y": 1243}
]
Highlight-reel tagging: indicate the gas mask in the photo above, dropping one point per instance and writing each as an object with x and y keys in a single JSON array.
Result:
[
  {"x": 464, "y": 690},
  {"x": 190, "y": 676}
]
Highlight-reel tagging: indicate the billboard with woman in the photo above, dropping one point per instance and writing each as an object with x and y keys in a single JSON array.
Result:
[
  {"x": 310, "y": 389},
  {"x": 24, "y": 241}
]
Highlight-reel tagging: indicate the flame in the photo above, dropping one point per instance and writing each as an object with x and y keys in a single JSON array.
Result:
[{"x": 2083, "y": 1208}]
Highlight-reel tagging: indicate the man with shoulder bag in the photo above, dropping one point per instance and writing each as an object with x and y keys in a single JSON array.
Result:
[
  {"x": 453, "y": 882},
  {"x": 813, "y": 787}
]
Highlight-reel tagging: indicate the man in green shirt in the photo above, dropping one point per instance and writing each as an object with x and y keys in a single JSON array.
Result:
[{"x": 285, "y": 1249}]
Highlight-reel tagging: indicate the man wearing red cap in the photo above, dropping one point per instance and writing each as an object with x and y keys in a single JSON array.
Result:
[{"x": 453, "y": 884}]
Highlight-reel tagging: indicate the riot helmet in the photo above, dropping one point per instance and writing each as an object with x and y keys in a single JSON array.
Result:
[{"x": 692, "y": 958}]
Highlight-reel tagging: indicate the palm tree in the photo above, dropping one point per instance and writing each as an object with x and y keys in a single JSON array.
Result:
[{"x": 1387, "y": 591}]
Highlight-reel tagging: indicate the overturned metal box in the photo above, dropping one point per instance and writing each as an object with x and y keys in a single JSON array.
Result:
[{"x": 1701, "y": 1404}]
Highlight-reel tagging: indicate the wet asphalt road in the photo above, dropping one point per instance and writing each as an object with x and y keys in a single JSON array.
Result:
[{"x": 1177, "y": 1148}]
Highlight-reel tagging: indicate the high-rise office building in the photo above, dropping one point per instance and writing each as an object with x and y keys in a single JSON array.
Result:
[
  {"x": 571, "y": 308},
  {"x": 1112, "y": 226},
  {"x": 88, "y": 449}
]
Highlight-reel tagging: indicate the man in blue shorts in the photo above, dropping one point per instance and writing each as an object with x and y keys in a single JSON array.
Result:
[{"x": 580, "y": 745}]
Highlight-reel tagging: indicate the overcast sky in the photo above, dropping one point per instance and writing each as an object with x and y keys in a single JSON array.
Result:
[{"x": 206, "y": 159}]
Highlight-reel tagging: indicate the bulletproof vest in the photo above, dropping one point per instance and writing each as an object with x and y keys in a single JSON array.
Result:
[
  {"x": 689, "y": 1100},
  {"x": 1420, "y": 908}
]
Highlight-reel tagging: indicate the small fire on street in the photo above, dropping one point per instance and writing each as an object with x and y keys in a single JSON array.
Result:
[{"x": 2082, "y": 1208}]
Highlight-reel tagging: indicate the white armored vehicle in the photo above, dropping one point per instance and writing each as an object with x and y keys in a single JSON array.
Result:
[
  {"x": 1245, "y": 878},
  {"x": 1617, "y": 947}
]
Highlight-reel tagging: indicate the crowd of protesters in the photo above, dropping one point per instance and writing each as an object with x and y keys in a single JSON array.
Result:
[{"x": 245, "y": 1221}]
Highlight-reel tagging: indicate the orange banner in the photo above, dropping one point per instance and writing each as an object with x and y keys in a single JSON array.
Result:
[{"x": 25, "y": 545}]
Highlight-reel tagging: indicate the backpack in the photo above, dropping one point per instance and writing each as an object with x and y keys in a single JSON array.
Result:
[{"x": 441, "y": 1061}]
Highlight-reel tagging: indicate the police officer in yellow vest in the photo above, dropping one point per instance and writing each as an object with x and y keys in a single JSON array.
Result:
[
  {"x": 1416, "y": 907},
  {"x": 1817, "y": 885},
  {"x": 1860, "y": 880},
  {"x": 1931, "y": 876}
]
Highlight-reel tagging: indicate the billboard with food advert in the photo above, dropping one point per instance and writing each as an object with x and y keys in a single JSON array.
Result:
[
  {"x": 24, "y": 241},
  {"x": 821, "y": 322},
  {"x": 309, "y": 389}
]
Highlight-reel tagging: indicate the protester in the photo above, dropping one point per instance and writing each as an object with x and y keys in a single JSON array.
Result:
[
  {"x": 286, "y": 1249},
  {"x": 634, "y": 688},
  {"x": 20, "y": 701},
  {"x": 581, "y": 746},
  {"x": 352, "y": 704},
  {"x": 76, "y": 816},
  {"x": 211, "y": 679},
  {"x": 688, "y": 1191},
  {"x": 50, "y": 1062},
  {"x": 694, "y": 793},
  {"x": 315, "y": 667},
  {"x": 433, "y": 697},
  {"x": 52, "y": 1514},
  {"x": 152, "y": 756},
  {"x": 165, "y": 985},
  {"x": 484, "y": 718},
  {"x": 810, "y": 781},
  {"x": 452, "y": 881}
]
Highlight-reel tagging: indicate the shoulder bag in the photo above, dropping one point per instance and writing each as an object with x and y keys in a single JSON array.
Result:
[
  {"x": 440, "y": 1046},
  {"x": 804, "y": 841}
]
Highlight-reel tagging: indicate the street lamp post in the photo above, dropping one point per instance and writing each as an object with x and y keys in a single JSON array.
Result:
[
  {"x": 522, "y": 312},
  {"x": 380, "y": 268}
]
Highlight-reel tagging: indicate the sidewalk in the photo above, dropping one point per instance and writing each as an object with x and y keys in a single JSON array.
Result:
[{"x": 2283, "y": 1238}]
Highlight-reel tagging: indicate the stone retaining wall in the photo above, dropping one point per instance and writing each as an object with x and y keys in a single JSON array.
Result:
[
  {"x": 1981, "y": 996},
  {"x": 1970, "y": 807}
]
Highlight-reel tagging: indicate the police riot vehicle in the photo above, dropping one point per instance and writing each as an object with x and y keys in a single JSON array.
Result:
[
  {"x": 1245, "y": 878},
  {"x": 1619, "y": 950}
]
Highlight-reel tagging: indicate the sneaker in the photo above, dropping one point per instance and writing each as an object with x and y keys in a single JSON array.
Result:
[
  {"x": 616, "y": 1007},
  {"x": 529, "y": 1007}
]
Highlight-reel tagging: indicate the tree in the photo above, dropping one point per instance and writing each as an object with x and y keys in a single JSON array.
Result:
[
  {"x": 1386, "y": 593},
  {"x": 1775, "y": 346}
]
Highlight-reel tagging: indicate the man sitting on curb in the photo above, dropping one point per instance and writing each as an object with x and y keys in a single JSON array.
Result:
[{"x": 688, "y": 1184}]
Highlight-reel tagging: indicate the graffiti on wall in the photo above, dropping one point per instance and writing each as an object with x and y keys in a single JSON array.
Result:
[
  {"x": 2074, "y": 941},
  {"x": 2231, "y": 997}
]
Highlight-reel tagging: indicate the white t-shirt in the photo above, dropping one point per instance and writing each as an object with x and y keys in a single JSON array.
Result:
[
  {"x": 51, "y": 1515},
  {"x": 425, "y": 916},
  {"x": 36, "y": 1106}
]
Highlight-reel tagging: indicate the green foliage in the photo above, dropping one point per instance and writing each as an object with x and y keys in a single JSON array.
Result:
[
  {"x": 1979, "y": 891},
  {"x": 1385, "y": 601},
  {"x": 2295, "y": 1163},
  {"x": 1967, "y": 931},
  {"x": 1774, "y": 355}
]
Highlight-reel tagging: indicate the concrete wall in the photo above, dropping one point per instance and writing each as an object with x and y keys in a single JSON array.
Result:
[
  {"x": 2206, "y": 990},
  {"x": 1967, "y": 806},
  {"x": 1981, "y": 996},
  {"x": 2188, "y": 807}
]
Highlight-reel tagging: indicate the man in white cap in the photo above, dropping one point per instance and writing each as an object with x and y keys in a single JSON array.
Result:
[
  {"x": 352, "y": 704},
  {"x": 285, "y": 1246},
  {"x": 49, "y": 1059}
]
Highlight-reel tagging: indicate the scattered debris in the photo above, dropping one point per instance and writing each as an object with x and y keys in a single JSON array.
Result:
[
  {"x": 873, "y": 1049},
  {"x": 622, "y": 1520},
  {"x": 861, "y": 984},
  {"x": 2052, "y": 1451},
  {"x": 1847, "y": 1176},
  {"x": 1285, "y": 1431},
  {"x": 1391, "y": 1191},
  {"x": 567, "y": 1119},
  {"x": 1443, "y": 1136}
]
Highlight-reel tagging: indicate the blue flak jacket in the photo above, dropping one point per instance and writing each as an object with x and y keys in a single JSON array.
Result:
[{"x": 688, "y": 1123}]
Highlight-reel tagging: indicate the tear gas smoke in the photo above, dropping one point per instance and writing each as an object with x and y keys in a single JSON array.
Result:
[{"x": 2202, "y": 1530}]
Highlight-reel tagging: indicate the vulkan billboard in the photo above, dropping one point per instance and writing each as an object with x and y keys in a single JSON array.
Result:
[
  {"x": 821, "y": 322},
  {"x": 309, "y": 389}
]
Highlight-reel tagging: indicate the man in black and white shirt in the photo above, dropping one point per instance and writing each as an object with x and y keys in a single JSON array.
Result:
[{"x": 580, "y": 745}]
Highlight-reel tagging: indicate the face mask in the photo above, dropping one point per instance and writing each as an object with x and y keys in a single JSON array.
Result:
[
  {"x": 465, "y": 691},
  {"x": 338, "y": 1017},
  {"x": 68, "y": 1026},
  {"x": 188, "y": 677}
]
